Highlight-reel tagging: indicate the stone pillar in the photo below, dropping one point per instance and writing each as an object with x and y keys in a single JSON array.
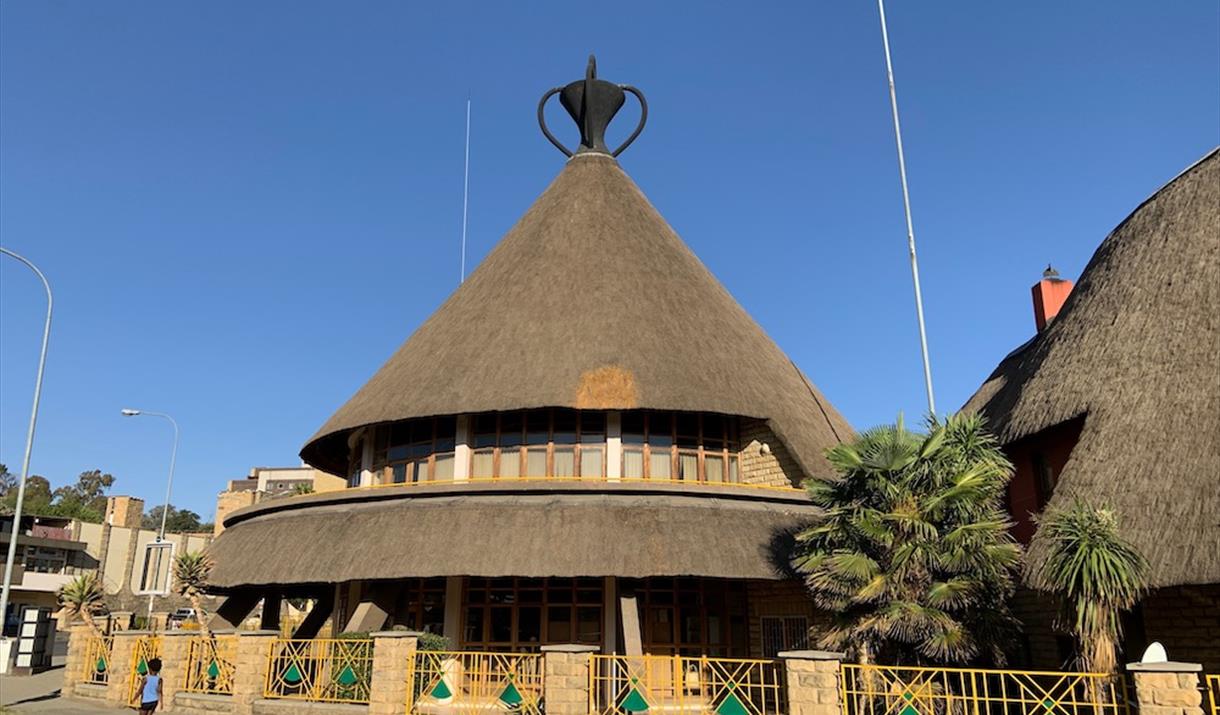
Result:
[
  {"x": 813, "y": 682},
  {"x": 74, "y": 665},
  {"x": 175, "y": 649},
  {"x": 118, "y": 682},
  {"x": 566, "y": 678},
  {"x": 1167, "y": 688},
  {"x": 393, "y": 663},
  {"x": 250, "y": 669}
]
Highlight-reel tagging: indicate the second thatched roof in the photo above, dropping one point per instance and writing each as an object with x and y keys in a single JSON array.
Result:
[{"x": 1135, "y": 351}]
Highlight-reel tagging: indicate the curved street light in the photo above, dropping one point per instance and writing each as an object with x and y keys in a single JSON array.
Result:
[
  {"x": 169, "y": 485},
  {"x": 29, "y": 446}
]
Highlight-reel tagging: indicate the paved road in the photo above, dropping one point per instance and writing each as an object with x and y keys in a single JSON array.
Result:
[{"x": 40, "y": 693}]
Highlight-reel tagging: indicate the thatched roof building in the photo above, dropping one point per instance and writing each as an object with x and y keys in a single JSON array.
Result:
[
  {"x": 1133, "y": 360},
  {"x": 591, "y": 302},
  {"x": 589, "y": 426}
]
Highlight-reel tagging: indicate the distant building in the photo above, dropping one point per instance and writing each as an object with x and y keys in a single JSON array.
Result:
[
  {"x": 269, "y": 483},
  {"x": 1116, "y": 400},
  {"x": 52, "y": 550}
]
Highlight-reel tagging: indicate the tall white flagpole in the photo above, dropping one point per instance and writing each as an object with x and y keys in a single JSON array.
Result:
[
  {"x": 465, "y": 192},
  {"x": 906, "y": 202}
]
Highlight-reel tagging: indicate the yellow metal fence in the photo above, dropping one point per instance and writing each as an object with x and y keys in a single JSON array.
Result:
[
  {"x": 883, "y": 690},
  {"x": 95, "y": 666},
  {"x": 209, "y": 665},
  {"x": 1213, "y": 693},
  {"x": 619, "y": 685},
  {"x": 329, "y": 670},
  {"x": 466, "y": 683},
  {"x": 145, "y": 650}
]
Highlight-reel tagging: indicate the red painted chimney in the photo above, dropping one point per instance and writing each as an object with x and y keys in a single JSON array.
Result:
[{"x": 1050, "y": 294}]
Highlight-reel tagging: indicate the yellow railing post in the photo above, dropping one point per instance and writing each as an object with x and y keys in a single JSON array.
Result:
[{"x": 1213, "y": 693}]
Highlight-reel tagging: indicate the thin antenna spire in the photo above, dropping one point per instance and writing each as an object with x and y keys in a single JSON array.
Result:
[
  {"x": 906, "y": 202},
  {"x": 465, "y": 192}
]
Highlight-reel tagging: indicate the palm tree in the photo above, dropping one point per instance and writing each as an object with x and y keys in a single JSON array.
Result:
[
  {"x": 1096, "y": 572},
  {"x": 192, "y": 570},
  {"x": 913, "y": 553},
  {"x": 83, "y": 597}
]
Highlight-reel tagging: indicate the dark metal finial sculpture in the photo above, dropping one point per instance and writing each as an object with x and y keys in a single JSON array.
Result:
[{"x": 592, "y": 103}]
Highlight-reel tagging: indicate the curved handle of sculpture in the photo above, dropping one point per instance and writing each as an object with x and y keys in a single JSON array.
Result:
[
  {"x": 547, "y": 132},
  {"x": 639, "y": 128}
]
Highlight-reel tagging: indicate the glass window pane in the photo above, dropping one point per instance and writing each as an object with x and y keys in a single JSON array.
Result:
[
  {"x": 633, "y": 464},
  {"x": 400, "y": 433},
  {"x": 400, "y": 473},
  {"x": 474, "y": 625},
  {"x": 500, "y": 625},
  {"x": 591, "y": 461},
  {"x": 592, "y": 426},
  {"x": 446, "y": 427},
  {"x": 510, "y": 463},
  {"x": 564, "y": 431},
  {"x": 443, "y": 469},
  {"x": 688, "y": 429},
  {"x": 484, "y": 431},
  {"x": 537, "y": 427},
  {"x": 512, "y": 427},
  {"x": 733, "y": 469},
  {"x": 659, "y": 466},
  {"x": 713, "y": 465},
  {"x": 633, "y": 428},
  {"x": 397, "y": 452},
  {"x": 713, "y": 427},
  {"x": 559, "y": 624},
  {"x": 688, "y": 466},
  {"x": 589, "y": 624},
  {"x": 565, "y": 462},
  {"x": 529, "y": 624},
  {"x": 535, "y": 462},
  {"x": 481, "y": 463},
  {"x": 421, "y": 470}
]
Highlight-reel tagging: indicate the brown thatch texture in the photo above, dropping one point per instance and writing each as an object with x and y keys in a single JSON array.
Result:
[
  {"x": 591, "y": 299},
  {"x": 401, "y": 533},
  {"x": 1136, "y": 351}
]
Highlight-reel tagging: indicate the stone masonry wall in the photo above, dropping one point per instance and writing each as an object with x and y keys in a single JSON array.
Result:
[
  {"x": 777, "y": 469},
  {"x": 782, "y": 598}
]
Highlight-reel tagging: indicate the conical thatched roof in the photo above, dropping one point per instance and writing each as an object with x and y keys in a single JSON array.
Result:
[
  {"x": 1136, "y": 352},
  {"x": 591, "y": 301}
]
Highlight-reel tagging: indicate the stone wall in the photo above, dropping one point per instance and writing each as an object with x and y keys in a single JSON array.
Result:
[
  {"x": 764, "y": 459},
  {"x": 779, "y": 599},
  {"x": 1167, "y": 688}
]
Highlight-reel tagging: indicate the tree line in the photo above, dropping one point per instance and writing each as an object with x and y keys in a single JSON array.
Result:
[{"x": 85, "y": 500}]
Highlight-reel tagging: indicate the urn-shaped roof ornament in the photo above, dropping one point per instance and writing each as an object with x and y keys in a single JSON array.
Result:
[{"x": 592, "y": 104}]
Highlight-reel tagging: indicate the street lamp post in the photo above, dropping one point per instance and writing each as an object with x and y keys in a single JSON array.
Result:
[
  {"x": 169, "y": 485},
  {"x": 25, "y": 462}
]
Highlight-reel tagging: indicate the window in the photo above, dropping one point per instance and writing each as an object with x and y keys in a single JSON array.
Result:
[
  {"x": 415, "y": 450},
  {"x": 538, "y": 443},
  {"x": 521, "y": 614},
  {"x": 781, "y": 633},
  {"x": 1044, "y": 478},
  {"x": 692, "y": 616},
  {"x": 421, "y": 605},
  {"x": 355, "y": 465},
  {"x": 683, "y": 446}
]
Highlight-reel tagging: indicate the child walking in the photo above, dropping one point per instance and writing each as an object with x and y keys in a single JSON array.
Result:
[{"x": 150, "y": 688}]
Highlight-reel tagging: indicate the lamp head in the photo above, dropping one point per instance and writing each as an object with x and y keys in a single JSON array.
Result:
[{"x": 128, "y": 412}]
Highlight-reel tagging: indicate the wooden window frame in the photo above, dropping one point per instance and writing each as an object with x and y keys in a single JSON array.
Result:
[{"x": 546, "y": 585}]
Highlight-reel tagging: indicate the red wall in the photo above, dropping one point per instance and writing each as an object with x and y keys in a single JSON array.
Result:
[{"x": 1025, "y": 496}]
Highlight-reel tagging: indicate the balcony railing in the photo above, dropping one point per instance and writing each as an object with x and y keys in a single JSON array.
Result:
[{"x": 785, "y": 489}]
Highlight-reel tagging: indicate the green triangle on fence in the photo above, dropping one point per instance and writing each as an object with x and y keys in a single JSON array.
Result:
[
  {"x": 101, "y": 664},
  {"x": 731, "y": 705},
  {"x": 292, "y": 676},
  {"x": 213, "y": 670},
  {"x": 441, "y": 691},
  {"x": 1048, "y": 704},
  {"x": 909, "y": 710},
  {"x": 142, "y": 667},
  {"x": 511, "y": 696},
  {"x": 347, "y": 676},
  {"x": 634, "y": 702}
]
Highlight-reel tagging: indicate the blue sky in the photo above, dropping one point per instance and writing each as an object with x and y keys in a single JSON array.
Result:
[{"x": 245, "y": 207}]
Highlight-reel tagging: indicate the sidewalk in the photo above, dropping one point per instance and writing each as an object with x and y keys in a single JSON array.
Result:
[{"x": 40, "y": 693}]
